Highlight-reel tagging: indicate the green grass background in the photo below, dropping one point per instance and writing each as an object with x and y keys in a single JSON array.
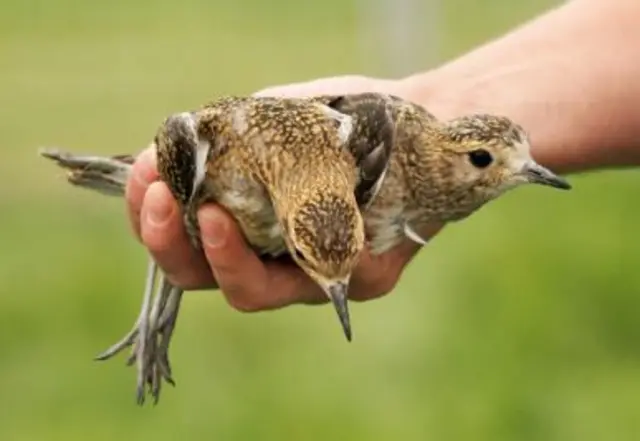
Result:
[{"x": 520, "y": 324}]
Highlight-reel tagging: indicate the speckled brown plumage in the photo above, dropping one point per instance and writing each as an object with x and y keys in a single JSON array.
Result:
[
  {"x": 279, "y": 166},
  {"x": 315, "y": 178},
  {"x": 430, "y": 175}
]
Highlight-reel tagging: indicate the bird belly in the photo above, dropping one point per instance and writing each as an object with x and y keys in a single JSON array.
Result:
[
  {"x": 250, "y": 205},
  {"x": 384, "y": 217},
  {"x": 384, "y": 227}
]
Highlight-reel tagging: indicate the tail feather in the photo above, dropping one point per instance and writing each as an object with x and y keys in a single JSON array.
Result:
[{"x": 104, "y": 174}]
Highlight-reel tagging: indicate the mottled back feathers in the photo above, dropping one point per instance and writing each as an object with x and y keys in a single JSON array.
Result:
[{"x": 372, "y": 140}]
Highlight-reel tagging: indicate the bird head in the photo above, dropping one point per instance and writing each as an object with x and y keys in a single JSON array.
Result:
[
  {"x": 181, "y": 155},
  {"x": 325, "y": 235},
  {"x": 486, "y": 155}
]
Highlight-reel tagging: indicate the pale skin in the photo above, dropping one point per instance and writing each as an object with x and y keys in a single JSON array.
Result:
[{"x": 570, "y": 77}]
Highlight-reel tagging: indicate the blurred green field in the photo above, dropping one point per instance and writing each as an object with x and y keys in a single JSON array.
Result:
[{"x": 519, "y": 324}]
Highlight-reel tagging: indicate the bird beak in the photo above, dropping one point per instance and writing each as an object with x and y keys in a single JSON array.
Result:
[
  {"x": 537, "y": 174},
  {"x": 337, "y": 292}
]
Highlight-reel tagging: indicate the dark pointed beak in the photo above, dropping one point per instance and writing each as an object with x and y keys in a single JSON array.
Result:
[
  {"x": 337, "y": 292},
  {"x": 537, "y": 174}
]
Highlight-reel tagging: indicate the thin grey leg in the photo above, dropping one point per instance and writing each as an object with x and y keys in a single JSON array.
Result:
[
  {"x": 141, "y": 322},
  {"x": 168, "y": 323}
]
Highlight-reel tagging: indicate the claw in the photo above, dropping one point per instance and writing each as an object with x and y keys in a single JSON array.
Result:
[
  {"x": 122, "y": 344},
  {"x": 140, "y": 395},
  {"x": 156, "y": 384}
]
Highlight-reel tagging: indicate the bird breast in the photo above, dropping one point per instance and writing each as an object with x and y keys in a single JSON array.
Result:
[
  {"x": 249, "y": 203},
  {"x": 384, "y": 227},
  {"x": 390, "y": 212}
]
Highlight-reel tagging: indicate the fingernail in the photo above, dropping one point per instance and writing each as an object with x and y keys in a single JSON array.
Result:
[
  {"x": 213, "y": 226},
  {"x": 159, "y": 205}
]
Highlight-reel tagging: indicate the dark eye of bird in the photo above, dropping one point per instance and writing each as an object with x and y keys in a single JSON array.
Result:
[{"x": 480, "y": 158}]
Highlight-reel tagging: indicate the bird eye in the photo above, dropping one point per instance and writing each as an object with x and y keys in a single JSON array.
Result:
[{"x": 480, "y": 158}]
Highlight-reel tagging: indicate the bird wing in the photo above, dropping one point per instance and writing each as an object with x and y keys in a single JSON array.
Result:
[{"x": 372, "y": 138}]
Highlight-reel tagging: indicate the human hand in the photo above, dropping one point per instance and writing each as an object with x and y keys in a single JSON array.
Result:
[{"x": 248, "y": 283}]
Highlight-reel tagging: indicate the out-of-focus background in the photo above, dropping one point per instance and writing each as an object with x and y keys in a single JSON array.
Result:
[{"x": 521, "y": 323}]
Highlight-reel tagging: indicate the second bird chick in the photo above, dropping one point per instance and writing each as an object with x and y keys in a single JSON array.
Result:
[{"x": 433, "y": 171}]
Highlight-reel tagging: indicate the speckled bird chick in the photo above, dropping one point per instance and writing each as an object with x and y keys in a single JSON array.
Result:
[
  {"x": 432, "y": 171},
  {"x": 279, "y": 166}
]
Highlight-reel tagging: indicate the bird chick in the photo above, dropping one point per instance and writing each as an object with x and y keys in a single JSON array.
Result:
[
  {"x": 432, "y": 171},
  {"x": 279, "y": 166}
]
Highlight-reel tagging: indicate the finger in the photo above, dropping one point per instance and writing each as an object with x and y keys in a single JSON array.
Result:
[
  {"x": 248, "y": 283},
  {"x": 143, "y": 173},
  {"x": 293, "y": 285},
  {"x": 163, "y": 233},
  {"x": 333, "y": 85},
  {"x": 294, "y": 90},
  {"x": 376, "y": 276},
  {"x": 373, "y": 277}
]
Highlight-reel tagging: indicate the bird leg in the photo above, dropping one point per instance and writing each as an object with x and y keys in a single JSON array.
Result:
[
  {"x": 154, "y": 327},
  {"x": 128, "y": 339},
  {"x": 166, "y": 328},
  {"x": 151, "y": 335},
  {"x": 104, "y": 174},
  {"x": 162, "y": 323},
  {"x": 151, "y": 354}
]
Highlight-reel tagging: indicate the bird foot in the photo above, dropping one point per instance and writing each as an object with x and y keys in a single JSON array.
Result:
[
  {"x": 151, "y": 336},
  {"x": 105, "y": 174}
]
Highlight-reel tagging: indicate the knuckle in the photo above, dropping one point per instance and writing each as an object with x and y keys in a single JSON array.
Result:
[
  {"x": 145, "y": 163},
  {"x": 243, "y": 304},
  {"x": 375, "y": 287},
  {"x": 156, "y": 243},
  {"x": 189, "y": 274},
  {"x": 187, "y": 280},
  {"x": 244, "y": 297},
  {"x": 386, "y": 285},
  {"x": 175, "y": 280},
  {"x": 180, "y": 279}
]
